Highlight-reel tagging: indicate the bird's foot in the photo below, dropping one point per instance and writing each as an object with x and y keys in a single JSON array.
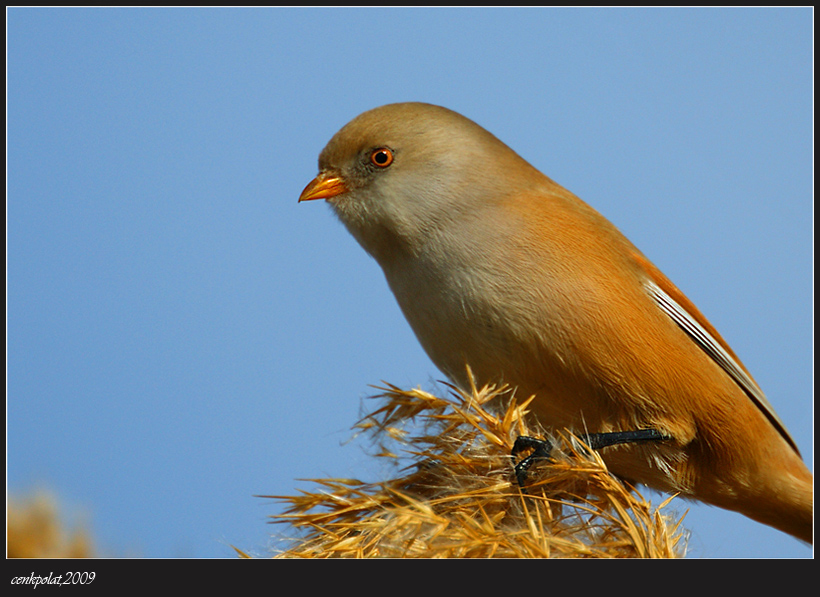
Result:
[{"x": 542, "y": 448}]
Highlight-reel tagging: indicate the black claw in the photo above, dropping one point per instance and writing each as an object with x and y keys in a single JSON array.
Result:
[
  {"x": 542, "y": 448},
  {"x": 525, "y": 442}
]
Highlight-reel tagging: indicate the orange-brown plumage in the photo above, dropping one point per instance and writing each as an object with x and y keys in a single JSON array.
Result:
[{"x": 498, "y": 268}]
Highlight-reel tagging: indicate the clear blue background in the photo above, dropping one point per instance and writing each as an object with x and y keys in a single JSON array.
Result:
[{"x": 182, "y": 335}]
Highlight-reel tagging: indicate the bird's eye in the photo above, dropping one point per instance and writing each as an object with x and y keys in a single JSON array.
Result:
[{"x": 381, "y": 157}]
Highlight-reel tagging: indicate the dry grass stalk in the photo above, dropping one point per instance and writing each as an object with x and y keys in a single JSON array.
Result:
[{"x": 461, "y": 500}]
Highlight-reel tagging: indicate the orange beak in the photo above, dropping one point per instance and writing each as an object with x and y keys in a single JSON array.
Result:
[{"x": 325, "y": 186}]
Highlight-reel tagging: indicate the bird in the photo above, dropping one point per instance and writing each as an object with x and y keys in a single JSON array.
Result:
[{"x": 507, "y": 277}]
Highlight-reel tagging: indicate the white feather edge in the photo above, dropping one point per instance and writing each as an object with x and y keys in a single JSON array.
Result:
[{"x": 718, "y": 354}]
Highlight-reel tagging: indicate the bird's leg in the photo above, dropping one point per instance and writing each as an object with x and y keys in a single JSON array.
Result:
[{"x": 542, "y": 448}]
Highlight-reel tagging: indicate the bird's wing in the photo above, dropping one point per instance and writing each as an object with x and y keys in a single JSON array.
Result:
[{"x": 684, "y": 313}]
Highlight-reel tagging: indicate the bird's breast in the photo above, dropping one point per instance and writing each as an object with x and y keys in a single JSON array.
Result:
[{"x": 491, "y": 314}]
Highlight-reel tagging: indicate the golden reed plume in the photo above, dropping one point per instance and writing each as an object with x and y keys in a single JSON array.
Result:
[{"x": 460, "y": 498}]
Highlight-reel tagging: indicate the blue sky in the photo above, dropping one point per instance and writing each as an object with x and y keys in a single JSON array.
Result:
[{"x": 182, "y": 335}]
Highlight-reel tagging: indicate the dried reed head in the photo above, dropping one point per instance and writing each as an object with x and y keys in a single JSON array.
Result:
[
  {"x": 460, "y": 498},
  {"x": 36, "y": 529}
]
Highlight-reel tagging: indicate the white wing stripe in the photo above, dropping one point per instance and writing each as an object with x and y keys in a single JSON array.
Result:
[{"x": 713, "y": 348}]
